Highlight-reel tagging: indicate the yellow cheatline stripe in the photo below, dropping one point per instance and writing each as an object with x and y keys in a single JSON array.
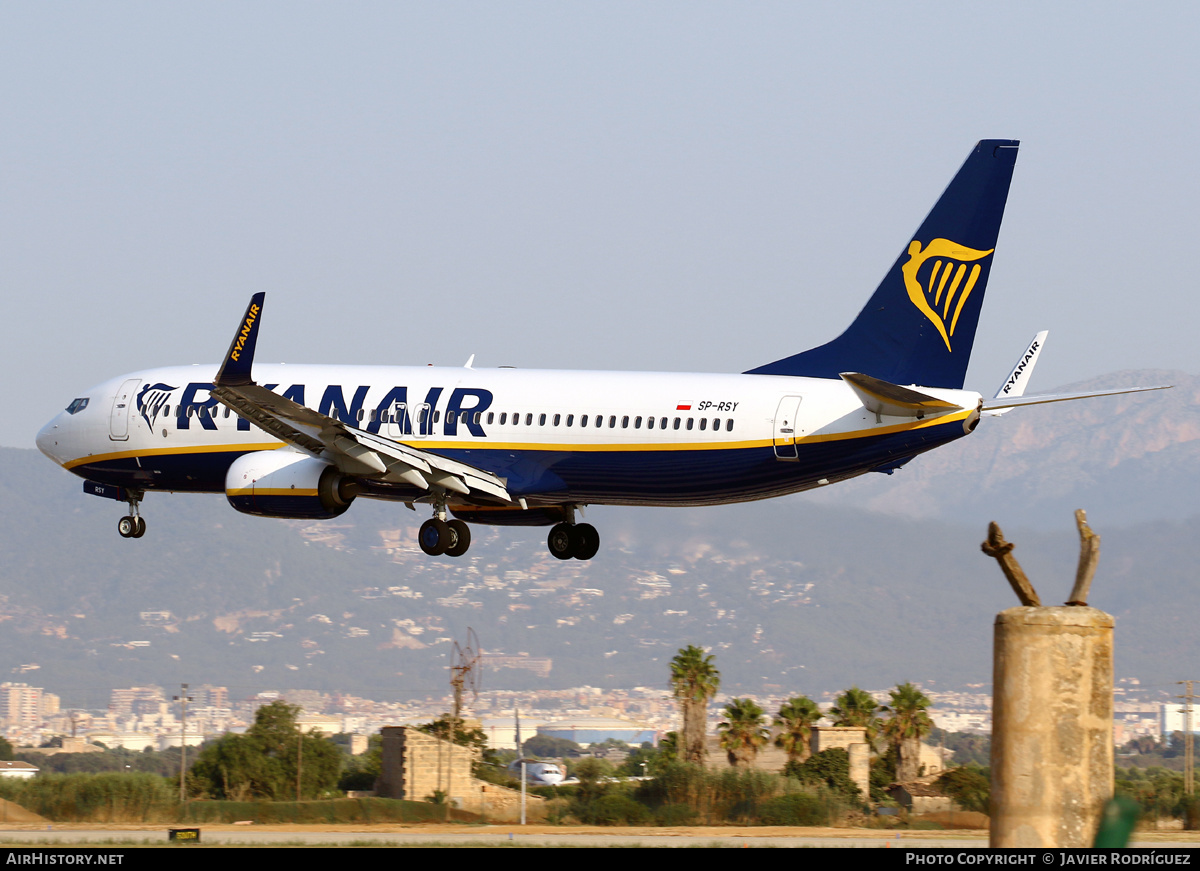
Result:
[
  {"x": 500, "y": 509},
  {"x": 270, "y": 491},
  {"x": 562, "y": 447},
  {"x": 160, "y": 452},
  {"x": 887, "y": 430},
  {"x": 574, "y": 447}
]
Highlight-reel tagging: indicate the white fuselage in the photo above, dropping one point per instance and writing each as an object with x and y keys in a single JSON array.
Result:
[{"x": 651, "y": 438}]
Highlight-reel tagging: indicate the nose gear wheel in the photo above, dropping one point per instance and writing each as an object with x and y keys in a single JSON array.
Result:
[{"x": 132, "y": 525}]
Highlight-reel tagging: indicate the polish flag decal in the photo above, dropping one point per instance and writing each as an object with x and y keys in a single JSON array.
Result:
[{"x": 683, "y": 406}]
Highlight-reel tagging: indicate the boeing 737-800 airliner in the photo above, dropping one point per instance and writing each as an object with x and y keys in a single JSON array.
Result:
[{"x": 514, "y": 447}]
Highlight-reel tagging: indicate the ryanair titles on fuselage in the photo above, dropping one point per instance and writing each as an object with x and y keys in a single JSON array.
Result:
[{"x": 156, "y": 403}]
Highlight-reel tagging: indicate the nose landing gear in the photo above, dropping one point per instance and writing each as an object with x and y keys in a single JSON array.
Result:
[{"x": 133, "y": 525}]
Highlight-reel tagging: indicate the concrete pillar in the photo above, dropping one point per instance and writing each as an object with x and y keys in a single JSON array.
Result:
[
  {"x": 852, "y": 739},
  {"x": 860, "y": 768},
  {"x": 416, "y": 765},
  {"x": 1052, "y": 753}
]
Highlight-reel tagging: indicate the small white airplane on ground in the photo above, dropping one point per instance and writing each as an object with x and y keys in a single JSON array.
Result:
[
  {"x": 514, "y": 447},
  {"x": 538, "y": 773}
]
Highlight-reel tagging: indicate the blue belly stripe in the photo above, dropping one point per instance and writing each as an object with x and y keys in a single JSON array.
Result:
[{"x": 593, "y": 477}]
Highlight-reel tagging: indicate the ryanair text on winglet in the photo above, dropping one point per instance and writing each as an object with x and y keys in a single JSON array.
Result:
[
  {"x": 244, "y": 333},
  {"x": 1016, "y": 375}
]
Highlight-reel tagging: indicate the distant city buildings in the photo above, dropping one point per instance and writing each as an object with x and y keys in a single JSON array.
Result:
[
  {"x": 23, "y": 706},
  {"x": 150, "y": 716}
]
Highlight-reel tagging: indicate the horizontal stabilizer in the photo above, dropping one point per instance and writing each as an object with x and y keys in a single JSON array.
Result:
[
  {"x": 995, "y": 406},
  {"x": 883, "y": 397}
]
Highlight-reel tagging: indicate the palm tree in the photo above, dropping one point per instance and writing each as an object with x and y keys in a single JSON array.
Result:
[
  {"x": 856, "y": 707},
  {"x": 694, "y": 680},
  {"x": 796, "y": 718},
  {"x": 908, "y": 724},
  {"x": 744, "y": 732}
]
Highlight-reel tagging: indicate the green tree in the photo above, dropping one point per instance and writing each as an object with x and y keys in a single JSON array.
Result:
[
  {"x": 608, "y": 744},
  {"x": 694, "y": 680},
  {"x": 668, "y": 745},
  {"x": 743, "y": 732},
  {"x": 646, "y": 759},
  {"x": 458, "y": 732},
  {"x": 908, "y": 724},
  {"x": 6, "y": 750},
  {"x": 1158, "y": 790},
  {"x": 1143, "y": 745},
  {"x": 549, "y": 747},
  {"x": 796, "y": 719},
  {"x": 966, "y": 747},
  {"x": 830, "y": 768},
  {"x": 230, "y": 768},
  {"x": 969, "y": 786},
  {"x": 856, "y": 707},
  {"x": 361, "y": 772},
  {"x": 593, "y": 775},
  {"x": 268, "y": 760}
]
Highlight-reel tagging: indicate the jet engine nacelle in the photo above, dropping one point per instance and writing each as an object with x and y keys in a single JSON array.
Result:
[{"x": 284, "y": 483}]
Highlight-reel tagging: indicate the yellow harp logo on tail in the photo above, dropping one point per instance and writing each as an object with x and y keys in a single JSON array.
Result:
[{"x": 940, "y": 292}]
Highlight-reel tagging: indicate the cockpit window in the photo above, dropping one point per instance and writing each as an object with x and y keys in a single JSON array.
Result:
[{"x": 77, "y": 405}]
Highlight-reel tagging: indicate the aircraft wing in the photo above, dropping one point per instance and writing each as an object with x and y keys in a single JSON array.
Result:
[{"x": 354, "y": 451}]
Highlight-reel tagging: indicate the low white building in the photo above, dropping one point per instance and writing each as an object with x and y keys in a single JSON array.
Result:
[{"x": 22, "y": 770}]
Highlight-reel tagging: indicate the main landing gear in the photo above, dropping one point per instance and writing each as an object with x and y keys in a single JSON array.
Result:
[
  {"x": 441, "y": 536},
  {"x": 578, "y": 540},
  {"x": 133, "y": 525},
  {"x": 567, "y": 540},
  {"x": 451, "y": 537}
]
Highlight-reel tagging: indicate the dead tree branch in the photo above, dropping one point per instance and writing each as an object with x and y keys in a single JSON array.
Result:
[
  {"x": 997, "y": 547},
  {"x": 1089, "y": 556}
]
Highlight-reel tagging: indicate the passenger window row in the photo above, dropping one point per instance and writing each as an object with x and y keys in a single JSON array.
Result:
[
  {"x": 596, "y": 421},
  {"x": 612, "y": 421}
]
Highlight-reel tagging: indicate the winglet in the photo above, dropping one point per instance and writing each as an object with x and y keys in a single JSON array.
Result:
[
  {"x": 1016, "y": 382},
  {"x": 1014, "y": 385},
  {"x": 235, "y": 370}
]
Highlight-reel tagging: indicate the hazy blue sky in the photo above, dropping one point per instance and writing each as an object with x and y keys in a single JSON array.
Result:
[{"x": 686, "y": 186}]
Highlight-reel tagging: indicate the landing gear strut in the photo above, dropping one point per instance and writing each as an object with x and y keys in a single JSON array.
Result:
[
  {"x": 571, "y": 539},
  {"x": 440, "y": 536},
  {"x": 133, "y": 525}
]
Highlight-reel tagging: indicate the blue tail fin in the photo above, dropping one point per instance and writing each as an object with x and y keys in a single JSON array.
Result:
[{"x": 919, "y": 326}]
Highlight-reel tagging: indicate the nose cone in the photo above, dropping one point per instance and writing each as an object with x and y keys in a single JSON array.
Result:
[{"x": 49, "y": 439}]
